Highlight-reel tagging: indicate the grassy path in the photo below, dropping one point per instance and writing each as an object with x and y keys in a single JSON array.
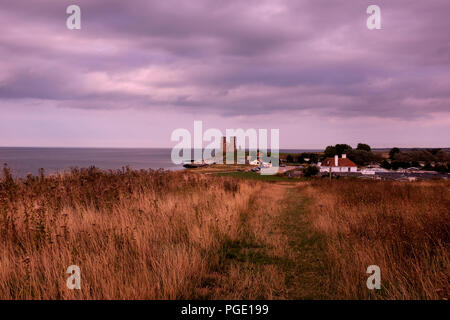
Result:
[
  {"x": 290, "y": 249},
  {"x": 306, "y": 272},
  {"x": 280, "y": 249}
]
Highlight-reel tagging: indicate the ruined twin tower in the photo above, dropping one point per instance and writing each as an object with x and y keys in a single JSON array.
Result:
[{"x": 229, "y": 150}]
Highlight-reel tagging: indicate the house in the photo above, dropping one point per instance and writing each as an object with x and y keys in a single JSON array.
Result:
[
  {"x": 255, "y": 162},
  {"x": 373, "y": 169},
  {"x": 337, "y": 164}
]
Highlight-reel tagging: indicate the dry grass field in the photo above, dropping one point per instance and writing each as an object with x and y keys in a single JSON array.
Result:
[
  {"x": 402, "y": 227},
  {"x": 178, "y": 235},
  {"x": 135, "y": 235}
]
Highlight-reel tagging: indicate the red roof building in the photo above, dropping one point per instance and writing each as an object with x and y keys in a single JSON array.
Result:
[
  {"x": 337, "y": 164},
  {"x": 342, "y": 162}
]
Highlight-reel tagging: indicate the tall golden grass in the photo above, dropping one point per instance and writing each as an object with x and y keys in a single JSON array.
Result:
[
  {"x": 134, "y": 234},
  {"x": 177, "y": 235},
  {"x": 402, "y": 227}
]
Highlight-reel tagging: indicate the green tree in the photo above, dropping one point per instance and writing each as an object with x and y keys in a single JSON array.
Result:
[
  {"x": 310, "y": 171},
  {"x": 415, "y": 164},
  {"x": 330, "y": 151},
  {"x": 342, "y": 148},
  {"x": 313, "y": 157},
  {"x": 441, "y": 168},
  {"x": 362, "y": 157},
  {"x": 364, "y": 147},
  {"x": 396, "y": 164},
  {"x": 393, "y": 152},
  {"x": 434, "y": 151},
  {"x": 385, "y": 164},
  {"x": 428, "y": 166}
]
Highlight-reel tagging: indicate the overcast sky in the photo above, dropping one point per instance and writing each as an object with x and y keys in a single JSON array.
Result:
[{"x": 137, "y": 70}]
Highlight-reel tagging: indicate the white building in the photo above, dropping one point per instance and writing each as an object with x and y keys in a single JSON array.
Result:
[
  {"x": 371, "y": 170},
  {"x": 255, "y": 162},
  {"x": 337, "y": 164}
]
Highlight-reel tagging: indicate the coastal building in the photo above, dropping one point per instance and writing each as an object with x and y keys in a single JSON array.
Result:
[
  {"x": 337, "y": 164},
  {"x": 251, "y": 160}
]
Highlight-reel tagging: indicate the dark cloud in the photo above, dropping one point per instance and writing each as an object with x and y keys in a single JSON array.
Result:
[{"x": 230, "y": 57}]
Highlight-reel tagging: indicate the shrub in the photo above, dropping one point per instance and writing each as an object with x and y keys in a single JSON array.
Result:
[{"x": 310, "y": 171}]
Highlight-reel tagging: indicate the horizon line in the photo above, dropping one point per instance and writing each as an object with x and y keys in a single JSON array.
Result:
[{"x": 284, "y": 148}]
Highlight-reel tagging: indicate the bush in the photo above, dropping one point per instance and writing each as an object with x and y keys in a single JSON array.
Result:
[
  {"x": 385, "y": 164},
  {"x": 441, "y": 168},
  {"x": 428, "y": 166},
  {"x": 310, "y": 171},
  {"x": 396, "y": 164}
]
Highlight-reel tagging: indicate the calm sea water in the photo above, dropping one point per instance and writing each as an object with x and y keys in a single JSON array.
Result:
[
  {"x": 29, "y": 160},
  {"x": 23, "y": 161}
]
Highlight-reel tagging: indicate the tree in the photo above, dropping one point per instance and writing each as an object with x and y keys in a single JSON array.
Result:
[
  {"x": 362, "y": 157},
  {"x": 427, "y": 166},
  {"x": 310, "y": 171},
  {"x": 313, "y": 157},
  {"x": 434, "y": 151},
  {"x": 342, "y": 148},
  {"x": 443, "y": 156},
  {"x": 330, "y": 151},
  {"x": 441, "y": 168},
  {"x": 396, "y": 164},
  {"x": 364, "y": 147},
  {"x": 385, "y": 164},
  {"x": 338, "y": 149},
  {"x": 289, "y": 158},
  {"x": 393, "y": 152},
  {"x": 415, "y": 164}
]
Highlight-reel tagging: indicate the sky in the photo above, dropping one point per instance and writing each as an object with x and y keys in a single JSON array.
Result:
[{"x": 137, "y": 70}]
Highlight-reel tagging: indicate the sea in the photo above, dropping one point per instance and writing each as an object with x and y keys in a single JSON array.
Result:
[{"x": 27, "y": 160}]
